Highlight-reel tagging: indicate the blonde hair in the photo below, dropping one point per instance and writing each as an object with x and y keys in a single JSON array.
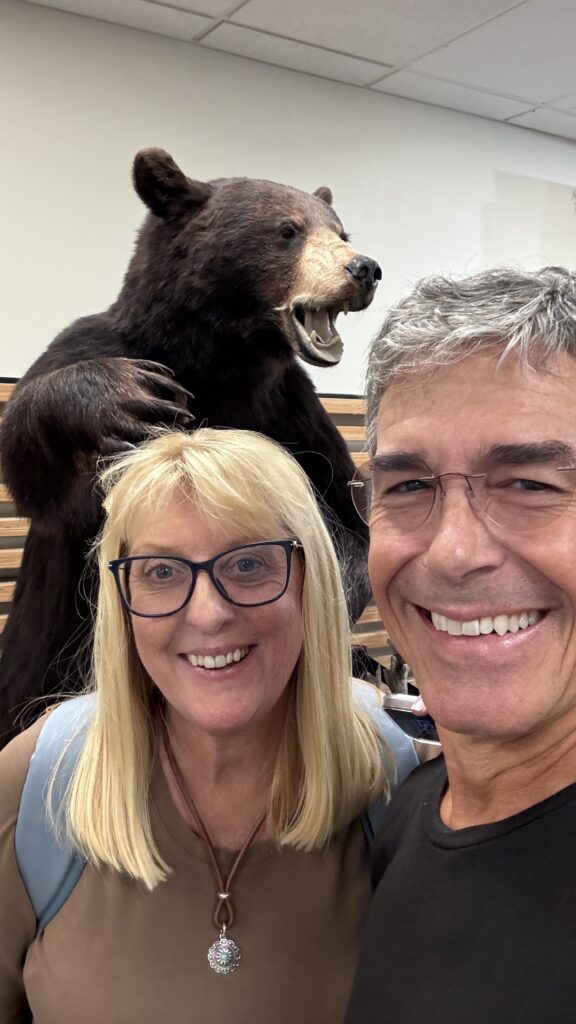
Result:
[{"x": 329, "y": 764}]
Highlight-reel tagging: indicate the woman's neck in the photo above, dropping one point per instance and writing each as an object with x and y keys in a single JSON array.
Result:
[{"x": 228, "y": 776}]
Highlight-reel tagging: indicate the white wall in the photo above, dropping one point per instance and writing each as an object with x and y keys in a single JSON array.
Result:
[{"x": 419, "y": 188}]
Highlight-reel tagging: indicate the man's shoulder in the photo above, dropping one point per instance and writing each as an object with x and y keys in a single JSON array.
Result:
[{"x": 418, "y": 791}]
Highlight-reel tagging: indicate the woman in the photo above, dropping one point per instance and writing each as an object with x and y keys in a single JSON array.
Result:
[{"x": 224, "y": 764}]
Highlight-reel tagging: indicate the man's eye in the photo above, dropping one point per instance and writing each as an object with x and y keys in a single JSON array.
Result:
[
  {"x": 527, "y": 485},
  {"x": 410, "y": 487}
]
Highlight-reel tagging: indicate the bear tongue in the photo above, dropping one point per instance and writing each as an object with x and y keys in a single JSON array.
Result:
[{"x": 318, "y": 325}]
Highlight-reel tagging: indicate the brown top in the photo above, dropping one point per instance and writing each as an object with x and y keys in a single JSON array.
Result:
[{"x": 120, "y": 954}]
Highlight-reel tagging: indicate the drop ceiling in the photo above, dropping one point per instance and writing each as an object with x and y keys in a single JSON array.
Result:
[{"x": 509, "y": 60}]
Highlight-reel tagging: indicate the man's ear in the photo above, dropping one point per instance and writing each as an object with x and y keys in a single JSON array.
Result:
[
  {"x": 324, "y": 193},
  {"x": 162, "y": 186}
]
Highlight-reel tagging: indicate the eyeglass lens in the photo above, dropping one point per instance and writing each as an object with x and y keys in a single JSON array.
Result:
[
  {"x": 521, "y": 498},
  {"x": 249, "y": 575}
]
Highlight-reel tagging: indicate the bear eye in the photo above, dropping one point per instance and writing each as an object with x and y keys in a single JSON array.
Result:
[
  {"x": 288, "y": 230},
  {"x": 344, "y": 236}
]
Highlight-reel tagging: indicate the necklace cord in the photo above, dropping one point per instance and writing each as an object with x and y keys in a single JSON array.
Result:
[{"x": 224, "y": 902}]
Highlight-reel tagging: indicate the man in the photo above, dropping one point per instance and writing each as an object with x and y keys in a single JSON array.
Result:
[{"x": 472, "y": 422}]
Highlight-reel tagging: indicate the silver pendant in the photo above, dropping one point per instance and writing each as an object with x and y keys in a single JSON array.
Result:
[{"x": 224, "y": 954}]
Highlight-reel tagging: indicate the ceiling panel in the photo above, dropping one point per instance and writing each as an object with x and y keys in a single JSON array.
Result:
[
  {"x": 390, "y": 32},
  {"x": 298, "y": 56},
  {"x": 214, "y": 8},
  {"x": 528, "y": 52},
  {"x": 546, "y": 120},
  {"x": 151, "y": 17},
  {"x": 566, "y": 103},
  {"x": 447, "y": 94}
]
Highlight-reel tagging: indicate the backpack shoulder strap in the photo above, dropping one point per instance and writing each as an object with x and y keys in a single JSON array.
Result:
[
  {"x": 49, "y": 867},
  {"x": 403, "y": 752}
]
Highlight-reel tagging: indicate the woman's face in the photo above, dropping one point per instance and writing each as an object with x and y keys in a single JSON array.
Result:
[{"x": 246, "y": 693}]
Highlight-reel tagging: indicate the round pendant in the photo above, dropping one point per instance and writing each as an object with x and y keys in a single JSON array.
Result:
[{"x": 224, "y": 956}]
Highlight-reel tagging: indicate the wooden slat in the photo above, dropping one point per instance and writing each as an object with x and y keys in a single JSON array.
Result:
[
  {"x": 5, "y": 391},
  {"x": 6, "y": 591},
  {"x": 13, "y": 526},
  {"x": 11, "y": 558},
  {"x": 5, "y": 493},
  {"x": 370, "y": 614},
  {"x": 3, "y": 621},
  {"x": 353, "y": 433},
  {"x": 378, "y": 638},
  {"x": 344, "y": 406},
  {"x": 359, "y": 458}
]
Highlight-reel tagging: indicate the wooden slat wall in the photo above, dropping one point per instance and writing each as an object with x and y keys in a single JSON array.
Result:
[{"x": 348, "y": 415}]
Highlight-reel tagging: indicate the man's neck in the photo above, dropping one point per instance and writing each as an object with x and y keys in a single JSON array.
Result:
[{"x": 492, "y": 779}]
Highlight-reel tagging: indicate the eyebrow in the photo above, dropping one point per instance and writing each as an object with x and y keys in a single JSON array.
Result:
[
  {"x": 530, "y": 452},
  {"x": 399, "y": 461},
  {"x": 520, "y": 454}
]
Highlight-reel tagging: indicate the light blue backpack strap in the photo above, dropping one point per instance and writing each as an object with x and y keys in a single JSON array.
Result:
[
  {"x": 401, "y": 746},
  {"x": 49, "y": 867}
]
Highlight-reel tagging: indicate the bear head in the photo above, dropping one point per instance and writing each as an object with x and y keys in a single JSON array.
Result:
[{"x": 246, "y": 256}]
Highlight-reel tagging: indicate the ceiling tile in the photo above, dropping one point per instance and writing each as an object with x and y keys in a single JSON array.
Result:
[
  {"x": 447, "y": 94},
  {"x": 528, "y": 53},
  {"x": 545, "y": 120},
  {"x": 567, "y": 103},
  {"x": 391, "y": 33},
  {"x": 150, "y": 17},
  {"x": 298, "y": 56},
  {"x": 213, "y": 8}
]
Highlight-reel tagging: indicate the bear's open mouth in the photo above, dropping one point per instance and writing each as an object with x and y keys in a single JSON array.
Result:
[{"x": 318, "y": 340}]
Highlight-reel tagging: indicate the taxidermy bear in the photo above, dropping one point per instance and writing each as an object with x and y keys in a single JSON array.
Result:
[{"x": 231, "y": 280}]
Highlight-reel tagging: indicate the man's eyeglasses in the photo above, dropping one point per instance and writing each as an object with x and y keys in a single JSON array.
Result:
[
  {"x": 519, "y": 498},
  {"x": 248, "y": 575}
]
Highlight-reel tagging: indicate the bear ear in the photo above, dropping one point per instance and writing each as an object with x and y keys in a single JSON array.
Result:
[
  {"x": 161, "y": 184},
  {"x": 324, "y": 193}
]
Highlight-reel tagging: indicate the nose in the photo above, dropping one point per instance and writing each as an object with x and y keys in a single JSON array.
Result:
[
  {"x": 207, "y": 610},
  {"x": 462, "y": 542},
  {"x": 365, "y": 271}
]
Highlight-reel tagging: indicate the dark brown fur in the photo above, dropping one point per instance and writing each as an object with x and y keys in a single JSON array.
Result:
[{"x": 207, "y": 294}]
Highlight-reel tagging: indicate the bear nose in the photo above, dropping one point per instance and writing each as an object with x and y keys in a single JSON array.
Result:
[{"x": 365, "y": 271}]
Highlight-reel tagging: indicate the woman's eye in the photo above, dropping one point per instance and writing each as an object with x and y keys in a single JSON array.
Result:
[
  {"x": 246, "y": 565},
  {"x": 163, "y": 572}
]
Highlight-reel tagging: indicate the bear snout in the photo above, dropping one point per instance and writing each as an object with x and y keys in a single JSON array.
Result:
[{"x": 366, "y": 272}]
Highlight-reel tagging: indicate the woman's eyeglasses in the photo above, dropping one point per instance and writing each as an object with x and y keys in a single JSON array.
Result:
[{"x": 248, "y": 575}]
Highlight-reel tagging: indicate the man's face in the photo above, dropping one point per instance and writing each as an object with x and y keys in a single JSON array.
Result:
[{"x": 461, "y": 566}]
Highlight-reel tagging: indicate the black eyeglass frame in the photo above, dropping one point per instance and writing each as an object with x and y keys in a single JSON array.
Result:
[{"x": 117, "y": 564}]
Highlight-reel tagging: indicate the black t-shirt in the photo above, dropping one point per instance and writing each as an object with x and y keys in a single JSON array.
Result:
[{"x": 474, "y": 926}]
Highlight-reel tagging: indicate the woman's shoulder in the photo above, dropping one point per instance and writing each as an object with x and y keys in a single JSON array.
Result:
[{"x": 14, "y": 763}]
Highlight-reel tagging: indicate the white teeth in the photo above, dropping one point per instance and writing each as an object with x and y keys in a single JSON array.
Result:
[
  {"x": 471, "y": 628},
  {"x": 218, "y": 660},
  {"x": 499, "y": 624}
]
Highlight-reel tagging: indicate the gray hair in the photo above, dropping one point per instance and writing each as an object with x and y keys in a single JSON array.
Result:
[{"x": 445, "y": 319}]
